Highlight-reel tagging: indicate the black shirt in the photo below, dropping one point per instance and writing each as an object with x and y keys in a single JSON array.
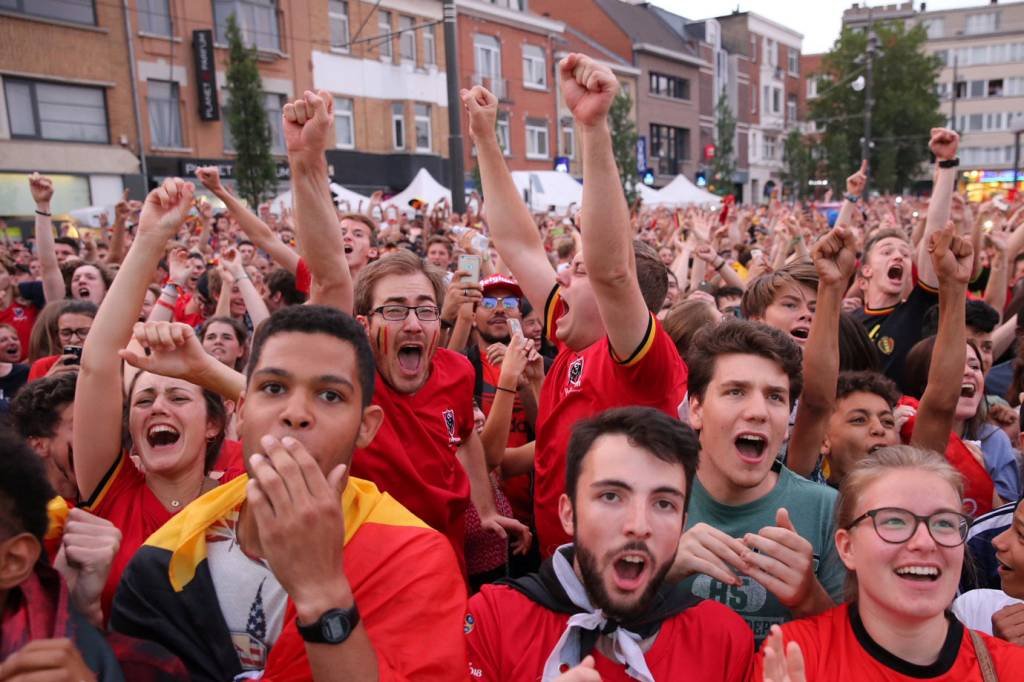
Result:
[{"x": 895, "y": 330}]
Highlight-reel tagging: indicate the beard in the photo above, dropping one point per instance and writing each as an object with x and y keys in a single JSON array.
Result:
[
  {"x": 598, "y": 593},
  {"x": 493, "y": 338}
]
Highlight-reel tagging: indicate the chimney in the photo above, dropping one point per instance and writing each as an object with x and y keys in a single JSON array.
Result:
[{"x": 924, "y": 6}]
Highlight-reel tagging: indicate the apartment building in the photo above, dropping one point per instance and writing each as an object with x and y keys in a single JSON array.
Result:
[
  {"x": 65, "y": 105},
  {"x": 981, "y": 84}
]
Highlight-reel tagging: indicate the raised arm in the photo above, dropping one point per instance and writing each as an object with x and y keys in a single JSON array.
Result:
[
  {"x": 122, "y": 209},
  {"x": 231, "y": 261},
  {"x": 854, "y": 188},
  {"x": 588, "y": 89},
  {"x": 511, "y": 227},
  {"x": 952, "y": 259},
  {"x": 944, "y": 143},
  {"x": 995, "y": 289},
  {"x": 53, "y": 282},
  {"x": 835, "y": 258},
  {"x": 98, "y": 397},
  {"x": 254, "y": 228}
]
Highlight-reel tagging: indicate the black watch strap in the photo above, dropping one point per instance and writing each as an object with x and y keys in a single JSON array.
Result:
[
  {"x": 333, "y": 627},
  {"x": 950, "y": 163}
]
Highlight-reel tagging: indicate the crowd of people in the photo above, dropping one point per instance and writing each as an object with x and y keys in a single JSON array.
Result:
[{"x": 758, "y": 443}]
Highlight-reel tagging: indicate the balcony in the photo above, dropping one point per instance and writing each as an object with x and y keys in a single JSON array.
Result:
[{"x": 498, "y": 86}]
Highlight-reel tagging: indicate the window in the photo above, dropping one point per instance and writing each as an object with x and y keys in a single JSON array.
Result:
[
  {"x": 398, "y": 125},
  {"x": 987, "y": 22},
  {"x": 812, "y": 88},
  {"x": 936, "y": 28},
  {"x": 406, "y": 39},
  {"x": 154, "y": 17},
  {"x": 487, "y": 56},
  {"x": 504, "y": 133},
  {"x": 164, "y": 114},
  {"x": 771, "y": 52},
  {"x": 791, "y": 109},
  {"x": 776, "y": 101},
  {"x": 1015, "y": 86},
  {"x": 960, "y": 91},
  {"x": 671, "y": 146},
  {"x": 536, "y": 139},
  {"x": 977, "y": 89},
  {"x": 429, "y": 46},
  {"x": 423, "y": 128},
  {"x": 273, "y": 104},
  {"x": 669, "y": 86},
  {"x": 568, "y": 138},
  {"x": 337, "y": 17},
  {"x": 76, "y": 11},
  {"x": 995, "y": 87},
  {"x": 384, "y": 29},
  {"x": 257, "y": 20},
  {"x": 534, "y": 67},
  {"x": 344, "y": 123},
  {"x": 943, "y": 56},
  {"x": 753, "y": 49},
  {"x": 794, "y": 60},
  {"x": 53, "y": 111},
  {"x": 769, "y": 147}
]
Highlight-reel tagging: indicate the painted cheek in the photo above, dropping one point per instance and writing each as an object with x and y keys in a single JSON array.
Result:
[{"x": 433, "y": 342}]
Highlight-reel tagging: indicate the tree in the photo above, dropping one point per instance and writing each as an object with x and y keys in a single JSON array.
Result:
[
  {"x": 255, "y": 170},
  {"x": 796, "y": 154},
  {"x": 906, "y": 105},
  {"x": 723, "y": 166},
  {"x": 624, "y": 142}
]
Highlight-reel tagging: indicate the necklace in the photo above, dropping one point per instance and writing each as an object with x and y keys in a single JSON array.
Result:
[{"x": 175, "y": 504}]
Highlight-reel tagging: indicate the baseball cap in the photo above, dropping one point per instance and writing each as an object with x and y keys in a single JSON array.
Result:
[{"x": 501, "y": 282}]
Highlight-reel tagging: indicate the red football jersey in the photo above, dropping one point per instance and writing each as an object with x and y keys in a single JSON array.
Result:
[
  {"x": 837, "y": 647},
  {"x": 510, "y": 637},
  {"x": 581, "y": 385},
  {"x": 412, "y": 457},
  {"x": 21, "y": 316}
]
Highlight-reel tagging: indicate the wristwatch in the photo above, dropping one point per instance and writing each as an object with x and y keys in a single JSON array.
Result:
[
  {"x": 852, "y": 198},
  {"x": 333, "y": 627},
  {"x": 950, "y": 163}
]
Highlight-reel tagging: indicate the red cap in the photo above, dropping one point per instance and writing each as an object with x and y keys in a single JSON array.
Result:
[{"x": 501, "y": 282}]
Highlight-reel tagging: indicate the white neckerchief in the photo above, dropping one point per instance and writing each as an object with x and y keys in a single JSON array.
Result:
[{"x": 625, "y": 644}]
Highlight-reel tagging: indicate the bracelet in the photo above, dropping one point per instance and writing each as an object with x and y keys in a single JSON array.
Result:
[
  {"x": 720, "y": 264},
  {"x": 45, "y": 213},
  {"x": 241, "y": 278},
  {"x": 170, "y": 291},
  {"x": 949, "y": 163},
  {"x": 502, "y": 388},
  {"x": 852, "y": 198},
  {"x": 165, "y": 304}
]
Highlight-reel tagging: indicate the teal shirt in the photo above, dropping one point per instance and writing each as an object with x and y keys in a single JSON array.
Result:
[{"x": 812, "y": 510}]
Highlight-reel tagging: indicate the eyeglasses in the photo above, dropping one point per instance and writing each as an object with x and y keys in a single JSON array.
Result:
[
  {"x": 397, "y": 313},
  {"x": 66, "y": 334},
  {"x": 896, "y": 526},
  {"x": 507, "y": 302}
]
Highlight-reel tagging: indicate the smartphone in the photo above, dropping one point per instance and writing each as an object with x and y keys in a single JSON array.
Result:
[
  {"x": 1000, "y": 203},
  {"x": 471, "y": 264},
  {"x": 756, "y": 253},
  {"x": 515, "y": 326},
  {"x": 75, "y": 352}
]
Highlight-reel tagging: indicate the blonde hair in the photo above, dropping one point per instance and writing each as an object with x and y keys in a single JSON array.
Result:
[{"x": 872, "y": 468}]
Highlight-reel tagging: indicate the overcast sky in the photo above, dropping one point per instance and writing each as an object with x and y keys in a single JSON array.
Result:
[{"x": 818, "y": 20}]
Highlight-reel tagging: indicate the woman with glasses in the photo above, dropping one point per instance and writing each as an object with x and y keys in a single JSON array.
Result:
[
  {"x": 901, "y": 535},
  {"x": 67, "y": 339}
]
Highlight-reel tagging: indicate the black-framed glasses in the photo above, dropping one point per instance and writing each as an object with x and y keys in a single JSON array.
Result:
[
  {"x": 394, "y": 312},
  {"x": 67, "y": 333},
  {"x": 506, "y": 302},
  {"x": 896, "y": 526}
]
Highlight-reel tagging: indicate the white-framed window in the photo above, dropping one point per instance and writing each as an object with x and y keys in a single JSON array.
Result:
[
  {"x": 776, "y": 101},
  {"x": 537, "y": 139},
  {"x": 936, "y": 28},
  {"x": 504, "y": 133},
  {"x": 985, "y": 22},
  {"x": 791, "y": 108},
  {"x": 164, "y": 114},
  {"x": 384, "y": 29},
  {"x": 273, "y": 103},
  {"x": 769, "y": 147},
  {"x": 398, "y": 125},
  {"x": 771, "y": 52},
  {"x": 344, "y": 123},
  {"x": 154, "y": 16},
  {"x": 257, "y": 19},
  {"x": 568, "y": 138},
  {"x": 423, "y": 135},
  {"x": 406, "y": 39},
  {"x": 429, "y": 46},
  {"x": 77, "y": 11},
  {"x": 337, "y": 17},
  {"x": 535, "y": 72},
  {"x": 54, "y": 111},
  {"x": 794, "y": 60},
  {"x": 812, "y": 88},
  {"x": 487, "y": 57}
]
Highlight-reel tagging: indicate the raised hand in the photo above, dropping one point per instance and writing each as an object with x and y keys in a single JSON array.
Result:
[
  {"x": 171, "y": 350},
  {"x": 210, "y": 177},
  {"x": 122, "y": 209},
  {"x": 42, "y": 190},
  {"x": 308, "y": 123},
  {"x": 952, "y": 256},
  {"x": 178, "y": 268},
  {"x": 588, "y": 89},
  {"x": 835, "y": 256},
  {"x": 782, "y": 663},
  {"x": 482, "y": 107},
  {"x": 944, "y": 143},
  {"x": 855, "y": 183},
  {"x": 458, "y": 294},
  {"x": 706, "y": 253},
  {"x": 165, "y": 209},
  {"x": 782, "y": 561},
  {"x": 231, "y": 261}
]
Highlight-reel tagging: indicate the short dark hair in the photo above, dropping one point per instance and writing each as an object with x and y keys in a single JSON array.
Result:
[
  {"x": 318, "y": 319},
  {"x": 68, "y": 241},
  {"x": 398, "y": 263},
  {"x": 443, "y": 241},
  {"x": 878, "y": 236},
  {"x": 726, "y": 291},
  {"x": 651, "y": 274},
  {"x": 280, "y": 281},
  {"x": 668, "y": 439},
  {"x": 761, "y": 292},
  {"x": 79, "y": 307},
  {"x": 868, "y": 382},
  {"x": 240, "y": 330},
  {"x": 35, "y": 408},
  {"x": 242, "y": 242},
  {"x": 24, "y": 489},
  {"x": 742, "y": 337},
  {"x": 978, "y": 315},
  {"x": 856, "y": 349}
]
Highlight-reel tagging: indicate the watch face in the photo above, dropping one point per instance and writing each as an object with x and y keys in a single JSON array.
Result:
[{"x": 335, "y": 626}]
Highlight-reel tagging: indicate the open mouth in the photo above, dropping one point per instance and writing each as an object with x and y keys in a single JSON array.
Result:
[
  {"x": 967, "y": 390},
  {"x": 629, "y": 571},
  {"x": 876, "y": 446},
  {"x": 348, "y": 249},
  {"x": 919, "y": 573},
  {"x": 1003, "y": 568},
  {"x": 751, "y": 447},
  {"x": 410, "y": 357},
  {"x": 800, "y": 333},
  {"x": 895, "y": 272},
  {"x": 83, "y": 292},
  {"x": 162, "y": 436}
]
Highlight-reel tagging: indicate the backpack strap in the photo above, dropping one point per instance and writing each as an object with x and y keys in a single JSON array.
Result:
[{"x": 988, "y": 669}]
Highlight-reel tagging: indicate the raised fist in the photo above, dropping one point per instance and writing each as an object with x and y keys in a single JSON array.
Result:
[
  {"x": 41, "y": 188},
  {"x": 855, "y": 183},
  {"x": 588, "y": 89},
  {"x": 944, "y": 143},
  {"x": 308, "y": 123},
  {"x": 482, "y": 107},
  {"x": 166, "y": 208}
]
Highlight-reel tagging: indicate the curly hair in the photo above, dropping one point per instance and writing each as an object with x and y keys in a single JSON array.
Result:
[{"x": 35, "y": 409}]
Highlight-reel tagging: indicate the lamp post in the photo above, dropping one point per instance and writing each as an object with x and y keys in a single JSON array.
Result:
[{"x": 458, "y": 174}]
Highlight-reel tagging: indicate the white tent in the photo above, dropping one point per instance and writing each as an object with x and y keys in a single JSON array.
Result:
[
  {"x": 356, "y": 202},
  {"x": 650, "y": 196},
  {"x": 423, "y": 187},
  {"x": 682, "y": 191},
  {"x": 90, "y": 215},
  {"x": 548, "y": 188}
]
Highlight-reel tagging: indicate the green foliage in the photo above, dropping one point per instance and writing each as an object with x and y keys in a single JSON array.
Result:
[
  {"x": 624, "y": 142},
  {"x": 255, "y": 170},
  {"x": 723, "y": 166},
  {"x": 906, "y": 105},
  {"x": 799, "y": 166}
]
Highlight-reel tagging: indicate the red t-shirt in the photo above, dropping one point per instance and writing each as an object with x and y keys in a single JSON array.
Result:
[
  {"x": 835, "y": 649},
  {"x": 412, "y": 457},
  {"x": 21, "y": 316},
  {"x": 510, "y": 637},
  {"x": 124, "y": 499},
  {"x": 581, "y": 385},
  {"x": 180, "y": 314},
  {"x": 41, "y": 366}
]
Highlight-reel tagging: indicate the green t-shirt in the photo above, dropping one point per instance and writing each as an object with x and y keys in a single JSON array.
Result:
[{"x": 811, "y": 507}]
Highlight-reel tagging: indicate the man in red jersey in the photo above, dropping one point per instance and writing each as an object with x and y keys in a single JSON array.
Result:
[
  {"x": 612, "y": 349},
  {"x": 600, "y": 607}
]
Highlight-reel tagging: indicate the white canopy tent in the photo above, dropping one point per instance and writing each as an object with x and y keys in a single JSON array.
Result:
[
  {"x": 356, "y": 201},
  {"x": 650, "y": 196},
  {"x": 548, "y": 188},
  {"x": 423, "y": 187},
  {"x": 90, "y": 215},
  {"x": 682, "y": 191}
]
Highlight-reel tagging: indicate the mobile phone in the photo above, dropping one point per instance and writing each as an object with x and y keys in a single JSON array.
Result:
[
  {"x": 75, "y": 352},
  {"x": 471, "y": 264},
  {"x": 756, "y": 253},
  {"x": 515, "y": 326},
  {"x": 1000, "y": 203}
]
